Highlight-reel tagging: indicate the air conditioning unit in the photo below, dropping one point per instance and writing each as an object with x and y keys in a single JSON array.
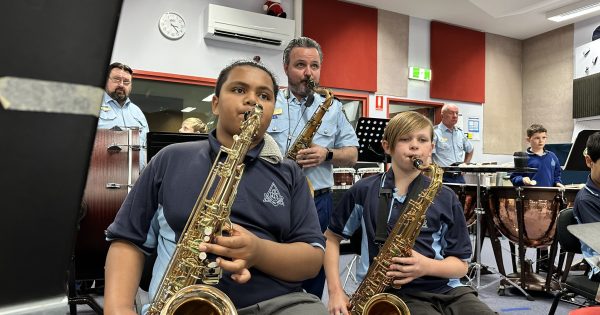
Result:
[{"x": 250, "y": 28}]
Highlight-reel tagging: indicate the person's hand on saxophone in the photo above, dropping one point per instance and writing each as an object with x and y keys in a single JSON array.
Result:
[
  {"x": 312, "y": 156},
  {"x": 240, "y": 245},
  {"x": 246, "y": 250}
]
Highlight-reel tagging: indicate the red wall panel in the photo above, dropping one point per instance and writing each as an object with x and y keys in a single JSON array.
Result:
[
  {"x": 347, "y": 34},
  {"x": 457, "y": 63}
]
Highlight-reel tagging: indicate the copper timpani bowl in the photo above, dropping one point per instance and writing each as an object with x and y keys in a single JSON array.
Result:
[{"x": 540, "y": 205}]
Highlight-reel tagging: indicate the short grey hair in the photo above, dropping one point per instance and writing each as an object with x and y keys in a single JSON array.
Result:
[
  {"x": 447, "y": 106},
  {"x": 303, "y": 42}
]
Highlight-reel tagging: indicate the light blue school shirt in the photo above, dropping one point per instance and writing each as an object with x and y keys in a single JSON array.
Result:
[
  {"x": 450, "y": 145},
  {"x": 289, "y": 118},
  {"x": 130, "y": 115}
]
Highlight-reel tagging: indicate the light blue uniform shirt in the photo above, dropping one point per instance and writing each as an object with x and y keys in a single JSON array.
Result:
[
  {"x": 450, "y": 145},
  {"x": 130, "y": 115},
  {"x": 289, "y": 119}
]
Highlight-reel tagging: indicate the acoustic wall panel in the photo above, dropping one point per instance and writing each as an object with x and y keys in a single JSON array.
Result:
[
  {"x": 586, "y": 96},
  {"x": 347, "y": 34},
  {"x": 392, "y": 52},
  {"x": 457, "y": 63}
]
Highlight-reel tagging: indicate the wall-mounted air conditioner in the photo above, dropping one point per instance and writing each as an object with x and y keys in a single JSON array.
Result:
[{"x": 250, "y": 28}]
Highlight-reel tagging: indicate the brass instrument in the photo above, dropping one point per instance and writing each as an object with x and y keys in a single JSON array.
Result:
[
  {"x": 305, "y": 137},
  {"x": 368, "y": 298},
  {"x": 178, "y": 292}
]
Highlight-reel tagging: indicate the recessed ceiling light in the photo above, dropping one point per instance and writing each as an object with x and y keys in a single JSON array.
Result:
[
  {"x": 573, "y": 10},
  {"x": 188, "y": 109},
  {"x": 208, "y": 98}
]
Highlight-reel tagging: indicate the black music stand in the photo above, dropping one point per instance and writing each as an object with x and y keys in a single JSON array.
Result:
[
  {"x": 51, "y": 94},
  {"x": 370, "y": 132},
  {"x": 575, "y": 159}
]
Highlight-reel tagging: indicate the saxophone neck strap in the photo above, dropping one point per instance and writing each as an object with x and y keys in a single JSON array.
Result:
[{"x": 384, "y": 206}]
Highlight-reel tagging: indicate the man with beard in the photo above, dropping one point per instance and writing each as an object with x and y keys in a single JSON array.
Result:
[
  {"x": 334, "y": 144},
  {"x": 117, "y": 109}
]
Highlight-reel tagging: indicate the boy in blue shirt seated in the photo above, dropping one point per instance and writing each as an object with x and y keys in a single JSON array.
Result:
[
  {"x": 587, "y": 203},
  {"x": 429, "y": 279},
  {"x": 276, "y": 241},
  {"x": 547, "y": 164}
]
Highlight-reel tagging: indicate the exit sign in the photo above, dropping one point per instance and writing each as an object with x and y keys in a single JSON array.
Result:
[{"x": 417, "y": 73}]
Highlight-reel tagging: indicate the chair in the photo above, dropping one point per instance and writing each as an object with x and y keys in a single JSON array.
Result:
[
  {"x": 574, "y": 285},
  {"x": 351, "y": 247}
]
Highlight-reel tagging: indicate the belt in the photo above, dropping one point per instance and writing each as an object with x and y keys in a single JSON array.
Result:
[{"x": 319, "y": 192}]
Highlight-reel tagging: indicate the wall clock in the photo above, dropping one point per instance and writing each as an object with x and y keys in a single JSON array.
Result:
[{"x": 171, "y": 25}]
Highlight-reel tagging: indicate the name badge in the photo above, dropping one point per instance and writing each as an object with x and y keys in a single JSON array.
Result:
[
  {"x": 105, "y": 108},
  {"x": 278, "y": 111}
]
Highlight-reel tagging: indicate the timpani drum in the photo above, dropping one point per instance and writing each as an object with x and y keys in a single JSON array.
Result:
[
  {"x": 367, "y": 171},
  {"x": 467, "y": 195},
  {"x": 343, "y": 178},
  {"x": 540, "y": 205},
  {"x": 105, "y": 191}
]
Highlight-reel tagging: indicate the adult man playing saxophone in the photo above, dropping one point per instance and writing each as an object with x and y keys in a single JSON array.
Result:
[{"x": 334, "y": 143}]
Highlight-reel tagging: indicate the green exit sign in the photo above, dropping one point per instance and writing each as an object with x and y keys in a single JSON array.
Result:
[{"x": 417, "y": 73}]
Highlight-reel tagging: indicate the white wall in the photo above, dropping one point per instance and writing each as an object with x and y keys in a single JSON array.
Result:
[
  {"x": 584, "y": 30},
  {"x": 139, "y": 43}
]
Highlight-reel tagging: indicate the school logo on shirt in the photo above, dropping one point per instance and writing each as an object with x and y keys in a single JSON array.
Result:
[
  {"x": 424, "y": 226},
  {"x": 273, "y": 196}
]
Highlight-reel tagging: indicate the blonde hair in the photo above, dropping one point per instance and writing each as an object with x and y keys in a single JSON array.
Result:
[
  {"x": 403, "y": 124},
  {"x": 196, "y": 124}
]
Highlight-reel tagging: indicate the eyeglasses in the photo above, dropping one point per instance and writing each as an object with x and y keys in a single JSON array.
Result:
[{"x": 120, "y": 80}]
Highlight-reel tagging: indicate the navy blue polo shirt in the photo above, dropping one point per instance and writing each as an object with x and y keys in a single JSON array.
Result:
[
  {"x": 586, "y": 209},
  {"x": 444, "y": 232},
  {"x": 273, "y": 202}
]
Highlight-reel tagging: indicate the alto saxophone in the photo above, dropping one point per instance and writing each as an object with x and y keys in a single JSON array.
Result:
[
  {"x": 305, "y": 137},
  {"x": 368, "y": 298},
  {"x": 178, "y": 292}
]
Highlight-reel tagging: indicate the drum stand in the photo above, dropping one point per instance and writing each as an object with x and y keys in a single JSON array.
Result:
[
  {"x": 526, "y": 277},
  {"x": 479, "y": 212}
]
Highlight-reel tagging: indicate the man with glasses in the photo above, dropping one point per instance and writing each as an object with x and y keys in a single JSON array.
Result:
[{"x": 118, "y": 110}]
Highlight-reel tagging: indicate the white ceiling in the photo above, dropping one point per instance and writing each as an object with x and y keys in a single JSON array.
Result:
[{"x": 518, "y": 19}]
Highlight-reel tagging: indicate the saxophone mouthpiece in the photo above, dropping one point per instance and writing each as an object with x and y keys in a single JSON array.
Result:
[
  {"x": 311, "y": 83},
  {"x": 257, "y": 109},
  {"x": 417, "y": 163}
]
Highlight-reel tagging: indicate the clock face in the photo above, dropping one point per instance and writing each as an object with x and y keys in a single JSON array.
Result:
[{"x": 171, "y": 25}]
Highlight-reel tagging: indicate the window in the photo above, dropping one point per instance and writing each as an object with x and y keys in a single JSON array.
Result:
[{"x": 167, "y": 99}]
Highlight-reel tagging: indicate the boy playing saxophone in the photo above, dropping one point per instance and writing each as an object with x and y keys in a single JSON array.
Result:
[
  {"x": 276, "y": 241},
  {"x": 429, "y": 279}
]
